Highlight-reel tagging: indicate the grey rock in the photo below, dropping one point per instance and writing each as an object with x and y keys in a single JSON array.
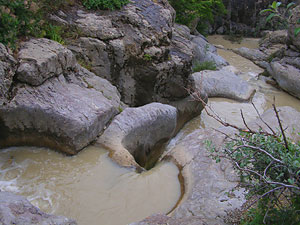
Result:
[
  {"x": 287, "y": 115},
  {"x": 222, "y": 83},
  {"x": 293, "y": 24},
  {"x": 273, "y": 37},
  {"x": 18, "y": 210},
  {"x": 251, "y": 54},
  {"x": 91, "y": 81},
  {"x": 138, "y": 49},
  {"x": 41, "y": 59},
  {"x": 287, "y": 76},
  {"x": 137, "y": 132},
  {"x": 207, "y": 183},
  {"x": 206, "y": 52},
  {"x": 57, "y": 114},
  {"x": 95, "y": 55},
  {"x": 159, "y": 219},
  {"x": 7, "y": 71}
]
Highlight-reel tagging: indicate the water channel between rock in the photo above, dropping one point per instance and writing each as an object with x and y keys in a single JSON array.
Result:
[
  {"x": 88, "y": 187},
  {"x": 265, "y": 93}
]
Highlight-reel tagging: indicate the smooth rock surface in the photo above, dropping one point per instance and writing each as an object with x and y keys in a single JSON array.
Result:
[
  {"x": 287, "y": 76},
  {"x": 57, "y": 114},
  {"x": 41, "y": 59},
  {"x": 18, "y": 210},
  {"x": 134, "y": 133},
  {"x": 210, "y": 187},
  {"x": 251, "y": 54},
  {"x": 222, "y": 83}
]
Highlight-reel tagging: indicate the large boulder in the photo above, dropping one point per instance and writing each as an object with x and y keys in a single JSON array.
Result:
[
  {"x": 136, "y": 134},
  {"x": 293, "y": 24},
  {"x": 7, "y": 71},
  {"x": 66, "y": 111},
  {"x": 222, "y": 83},
  {"x": 18, "y": 210},
  {"x": 137, "y": 48}
]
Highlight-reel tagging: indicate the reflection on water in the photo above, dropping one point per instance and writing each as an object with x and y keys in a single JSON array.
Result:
[{"x": 88, "y": 187}]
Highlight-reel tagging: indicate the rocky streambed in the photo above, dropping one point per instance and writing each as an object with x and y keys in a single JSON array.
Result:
[{"x": 122, "y": 86}]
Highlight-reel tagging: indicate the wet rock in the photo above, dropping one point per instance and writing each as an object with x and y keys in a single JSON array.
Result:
[
  {"x": 294, "y": 23},
  {"x": 41, "y": 59},
  {"x": 206, "y": 52},
  {"x": 7, "y": 71},
  {"x": 287, "y": 76},
  {"x": 136, "y": 132},
  {"x": 16, "y": 209},
  {"x": 222, "y": 83}
]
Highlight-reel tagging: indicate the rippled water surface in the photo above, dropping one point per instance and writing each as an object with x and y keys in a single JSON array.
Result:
[{"x": 88, "y": 187}]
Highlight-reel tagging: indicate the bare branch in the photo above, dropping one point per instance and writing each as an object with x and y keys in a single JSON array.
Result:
[
  {"x": 280, "y": 126},
  {"x": 257, "y": 112}
]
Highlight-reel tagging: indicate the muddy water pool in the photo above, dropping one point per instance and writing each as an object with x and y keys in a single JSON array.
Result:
[{"x": 88, "y": 187}]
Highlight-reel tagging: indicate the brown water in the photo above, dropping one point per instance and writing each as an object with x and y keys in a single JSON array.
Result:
[
  {"x": 265, "y": 93},
  {"x": 88, "y": 187}
]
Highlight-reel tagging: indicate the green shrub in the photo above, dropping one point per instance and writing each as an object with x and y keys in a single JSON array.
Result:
[
  {"x": 16, "y": 21},
  {"x": 105, "y": 4},
  {"x": 187, "y": 11},
  {"x": 270, "y": 171},
  {"x": 54, "y": 33},
  {"x": 207, "y": 65}
]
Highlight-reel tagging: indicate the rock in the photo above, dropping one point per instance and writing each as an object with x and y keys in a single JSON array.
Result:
[
  {"x": 273, "y": 37},
  {"x": 287, "y": 115},
  {"x": 138, "y": 49},
  {"x": 251, "y": 54},
  {"x": 57, "y": 114},
  {"x": 95, "y": 55},
  {"x": 287, "y": 76},
  {"x": 205, "y": 52},
  {"x": 41, "y": 59},
  {"x": 7, "y": 71},
  {"x": 18, "y": 210},
  {"x": 293, "y": 24},
  {"x": 159, "y": 219},
  {"x": 99, "y": 84},
  {"x": 134, "y": 134},
  {"x": 222, "y": 83},
  {"x": 210, "y": 187}
]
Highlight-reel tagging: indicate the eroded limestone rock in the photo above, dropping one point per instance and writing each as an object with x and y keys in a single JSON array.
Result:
[
  {"x": 41, "y": 59},
  {"x": 134, "y": 134},
  {"x": 222, "y": 83}
]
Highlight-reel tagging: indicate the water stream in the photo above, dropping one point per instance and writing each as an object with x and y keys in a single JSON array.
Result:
[{"x": 88, "y": 187}]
